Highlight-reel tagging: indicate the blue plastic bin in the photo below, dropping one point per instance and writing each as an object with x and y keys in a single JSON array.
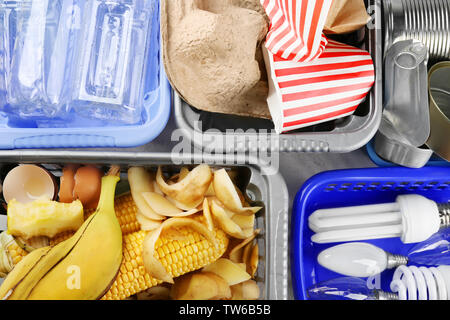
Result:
[
  {"x": 349, "y": 188},
  {"x": 434, "y": 162},
  {"x": 85, "y": 133}
]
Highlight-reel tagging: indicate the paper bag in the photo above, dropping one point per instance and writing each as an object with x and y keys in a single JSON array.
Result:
[
  {"x": 346, "y": 16},
  {"x": 296, "y": 28},
  {"x": 303, "y": 94}
]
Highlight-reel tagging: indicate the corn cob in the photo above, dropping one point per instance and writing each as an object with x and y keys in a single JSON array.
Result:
[
  {"x": 125, "y": 212},
  {"x": 178, "y": 257},
  {"x": 10, "y": 253}
]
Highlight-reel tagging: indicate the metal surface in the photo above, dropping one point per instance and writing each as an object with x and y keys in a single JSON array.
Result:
[
  {"x": 344, "y": 135},
  {"x": 270, "y": 190},
  {"x": 396, "y": 260},
  {"x": 401, "y": 153},
  {"x": 406, "y": 114},
  {"x": 405, "y": 125},
  {"x": 425, "y": 20},
  {"x": 439, "y": 90},
  {"x": 444, "y": 214}
]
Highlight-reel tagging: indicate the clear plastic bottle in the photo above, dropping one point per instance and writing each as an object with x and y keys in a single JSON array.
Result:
[
  {"x": 8, "y": 29},
  {"x": 111, "y": 60},
  {"x": 40, "y": 80},
  {"x": 3, "y": 55}
]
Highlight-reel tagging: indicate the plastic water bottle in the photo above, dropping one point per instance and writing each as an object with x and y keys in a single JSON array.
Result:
[
  {"x": 111, "y": 60},
  {"x": 3, "y": 58},
  {"x": 8, "y": 30},
  {"x": 40, "y": 84}
]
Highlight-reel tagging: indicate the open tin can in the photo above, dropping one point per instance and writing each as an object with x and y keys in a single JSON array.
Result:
[{"x": 439, "y": 89}]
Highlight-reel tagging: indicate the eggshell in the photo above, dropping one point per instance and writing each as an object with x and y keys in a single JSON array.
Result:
[
  {"x": 27, "y": 183},
  {"x": 88, "y": 181},
  {"x": 67, "y": 184}
]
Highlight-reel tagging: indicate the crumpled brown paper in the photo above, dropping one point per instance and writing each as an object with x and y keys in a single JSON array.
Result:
[{"x": 346, "y": 16}]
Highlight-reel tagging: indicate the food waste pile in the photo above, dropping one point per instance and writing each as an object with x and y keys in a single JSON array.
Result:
[{"x": 184, "y": 236}]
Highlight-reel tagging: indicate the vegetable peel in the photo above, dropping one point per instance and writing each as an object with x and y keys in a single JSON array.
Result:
[
  {"x": 189, "y": 190},
  {"x": 152, "y": 265},
  {"x": 226, "y": 192},
  {"x": 164, "y": 207}
]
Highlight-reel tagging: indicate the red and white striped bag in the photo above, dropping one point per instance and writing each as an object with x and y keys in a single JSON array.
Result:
[
  {"x": 311, "y": 79},
  {"x": 296, "y": 28},
  {"x": 309, "y": 93}
]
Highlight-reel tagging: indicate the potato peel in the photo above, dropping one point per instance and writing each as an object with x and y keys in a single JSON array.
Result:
[
  {"x": 141, "y": 181},
  {"x": 243, "y": 266},
  {"x": 236, "y": 252},
  {"x": 154, "y": 293},
  {"x": 183, "y": 173},
  {"x": 147, "y": 224},
  {"x": 226, "y": 192},
  {"x": 246, "y": 253},
  {"x": 228, "y": 270},
  {"x": 152, "y": 265},
  {"x": 157, "y": 189},
  {"x": 164, "y": 207},
  {"x": 247, "y": 290},
  {"x": 245, "y": 222},
  {"x": 227, "y": 224},
  {"x": 182, "y": 206},
  {"x": 174, "y": 234},
  {"x": 252, "y": 264},
  {"x": 191, "y": 189},
  {"x": 200, "y": 286},
  {"x": 210, "y": 192},
  {"x": 160, "y": 205},
  {"x": 207, "y": 215},
  {"x": 250, "y": 290},
  {"x": 144, "y": 208}
]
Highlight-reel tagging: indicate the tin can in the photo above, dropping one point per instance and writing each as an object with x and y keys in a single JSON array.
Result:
[
  {"x": 425, "y": 20},
  {"x": 439, "y": 89}
]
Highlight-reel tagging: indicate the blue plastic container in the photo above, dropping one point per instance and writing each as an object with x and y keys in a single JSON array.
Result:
[
  {"x": 351, "y": 188},
  {"x": 77, "y": 132},
  {"x": 434, "y": 162}
]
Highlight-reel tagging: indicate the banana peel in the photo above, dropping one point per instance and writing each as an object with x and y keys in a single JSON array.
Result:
[{"x": 92, "y": 257}]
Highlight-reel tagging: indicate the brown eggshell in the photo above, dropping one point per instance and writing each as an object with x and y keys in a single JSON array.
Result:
[
  {"x": 88, "y": 181},
  {"x": 67, "y": 184}
]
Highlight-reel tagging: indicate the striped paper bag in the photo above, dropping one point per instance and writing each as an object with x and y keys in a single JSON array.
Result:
[
  {"x": 303, "y": 94},
  {"x": 311, "y": 79},
  {"x": 296, "y": 29}
]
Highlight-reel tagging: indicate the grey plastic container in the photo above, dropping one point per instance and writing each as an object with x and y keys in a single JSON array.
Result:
[
  {"x": 270, "y": 190},
  {"x": 340, "y": 136}
]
